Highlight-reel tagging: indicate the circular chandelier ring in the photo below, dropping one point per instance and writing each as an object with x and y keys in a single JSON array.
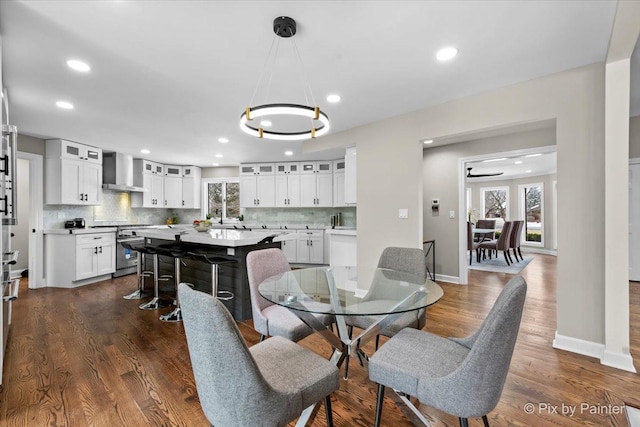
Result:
[{"x": 284, "y": 109}]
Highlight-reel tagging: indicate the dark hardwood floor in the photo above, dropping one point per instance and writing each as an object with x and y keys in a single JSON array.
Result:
[{"x": 86, "y": 357}]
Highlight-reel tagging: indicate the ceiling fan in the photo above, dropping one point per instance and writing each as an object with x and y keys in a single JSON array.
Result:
[{"x": 481, "y": 175}]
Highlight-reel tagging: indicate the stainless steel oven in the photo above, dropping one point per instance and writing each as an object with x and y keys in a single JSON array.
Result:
[{"x": 126, "y": 259}]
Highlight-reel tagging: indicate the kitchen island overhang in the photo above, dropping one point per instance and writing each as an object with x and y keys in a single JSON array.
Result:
[{"x": 232, "y": 277}]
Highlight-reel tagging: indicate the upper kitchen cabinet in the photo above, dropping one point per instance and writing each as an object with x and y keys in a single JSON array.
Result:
[
  {"x": 191, "y": 191},
  {"x": 338, "y": 183},
  {"x": 257, "y": 185},
  {"x": 150, "y": 176},
  {"x": 73, "y": 173},
  {"x": 172, "y": 186},
  {"x": 287, "y": 185},
  {"x": 316, "y": 184},
  {"x": 350, "y": 176}
]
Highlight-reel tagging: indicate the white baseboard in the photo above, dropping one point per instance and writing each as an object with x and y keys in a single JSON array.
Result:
[
  {"x": 576, "y": 345},
  {"x": 533, "y": 250},
  {"x": 618, "y": 360},
  {"x": 448, "y": 279},
  {"x": 593, "y": 349}
]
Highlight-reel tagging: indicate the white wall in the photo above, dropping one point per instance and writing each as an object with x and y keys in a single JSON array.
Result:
[
  {"x": 389, "y": 177},
  {"x": 20, "y": 241}
]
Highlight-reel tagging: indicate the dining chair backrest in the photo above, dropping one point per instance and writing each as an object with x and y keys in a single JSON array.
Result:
[
  {"x": 409, "y": 260},
  {"x": 262, "y": 264},
  {"x": 516, "y": 233},
  {"x": 227, "y": 378},
  {"x": 487, "y": 224},
  {"x": 504, "y": 240}
]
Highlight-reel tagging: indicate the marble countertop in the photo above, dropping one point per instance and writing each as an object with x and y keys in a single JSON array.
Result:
[
  {"x": 214, "y": 237},
  {"x": 345, "y": 231},
  {"x": 80, "y": 230}
]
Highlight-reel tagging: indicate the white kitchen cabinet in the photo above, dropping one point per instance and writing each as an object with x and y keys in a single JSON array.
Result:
[
  {"x": 316, "y": 167},
  {"x": 316, "y": 190},
  {"x": 150, "y": 176},
  {"x": 350, "y": 176},
  {"x": 73, "y": 173},
  {"x": 287, "y": 185},
  {"x": 338, "y": 183},
  {"x": 310, "y": 247},
  {"x": 191, "y": 191},
  {"x": 172, "y": 186},
  {"x": 257, "y": 186},
  {"x": 77, "y": 259}
]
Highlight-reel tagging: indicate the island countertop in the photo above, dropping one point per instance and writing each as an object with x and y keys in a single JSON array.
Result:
[{"x": 213, "y": 237}]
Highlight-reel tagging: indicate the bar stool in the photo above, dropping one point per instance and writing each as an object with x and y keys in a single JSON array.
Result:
[
  {"x": 178, "y": 251},
  {"x": 141, "y": 273},
  {"x": 215, "y": 260},
  {"x": 156, "y": 302}
]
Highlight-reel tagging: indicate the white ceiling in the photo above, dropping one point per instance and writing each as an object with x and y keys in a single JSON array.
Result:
[{"x": 174, "y": 76}]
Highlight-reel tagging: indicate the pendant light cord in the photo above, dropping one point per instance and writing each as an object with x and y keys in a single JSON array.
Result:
[{"x": 264, "y": 67}]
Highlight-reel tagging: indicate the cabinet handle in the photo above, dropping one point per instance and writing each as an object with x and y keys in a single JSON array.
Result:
[
  {"x": 183, "y": 203},
  {"x": 95, "y": 250},
  {"x": 165, "y": 203},
  {"x": 81, "y": 197},
  {"x": 258, "y": 201},
  {"x": 5, "y": 210},
  {"x": 86, "y": 197},
  {"x": 5, "y": 168},
  {"x": 100, "y": 249}
]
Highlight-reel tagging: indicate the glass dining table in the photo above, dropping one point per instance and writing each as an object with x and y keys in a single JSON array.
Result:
[{"x": 310, "y": 292}]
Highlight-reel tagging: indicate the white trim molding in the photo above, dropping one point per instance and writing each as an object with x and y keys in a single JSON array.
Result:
[
  {"x": 596, "y": 350},
  {"x": 448, "y": 279}
]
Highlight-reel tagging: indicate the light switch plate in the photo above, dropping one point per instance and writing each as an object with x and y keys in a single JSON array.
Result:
[
  {"x": 403, "y": 213},
  {"x": 452, "y": 214}
]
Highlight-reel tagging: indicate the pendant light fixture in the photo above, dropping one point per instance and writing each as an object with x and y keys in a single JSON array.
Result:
[{"x": 252, "y": 118}]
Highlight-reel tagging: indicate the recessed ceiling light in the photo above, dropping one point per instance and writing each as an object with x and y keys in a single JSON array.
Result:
[
  {"x": 216, "y": 164},
  {"x": 223, "y": 140},
  {"x": 446, "y": 53},
  {"x": 333, "y": 98},
  {"x": 265, "y": 123},
  {"x": 288, "y": 153},
  {"x": 77, "y": 65},
  {"x": 527, "y": 171},
  {"x": 518, "y": 162},
  {"x": 219, "y": 156},
  {"x": 145, "y": 151},
  {"x": 64, "y": 105},
  {"x": 534, "y": 155},
  {"x": 494, "y": 160},
  {"x": 428, "y": 141}
]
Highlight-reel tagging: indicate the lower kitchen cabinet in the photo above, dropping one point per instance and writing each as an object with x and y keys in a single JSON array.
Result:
[
  {"x": 310, "y": 247},
  {"x": 78, "y": 259}
]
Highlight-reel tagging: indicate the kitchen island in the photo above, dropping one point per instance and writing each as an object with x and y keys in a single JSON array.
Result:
[{"x": 234, "y": 244}]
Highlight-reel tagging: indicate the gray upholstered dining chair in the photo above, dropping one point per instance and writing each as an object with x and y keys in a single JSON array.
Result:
[
  {"x": 271, "y": 319},
  {"x": 460, "y": 376},
  {"x": 502, "y": 243},
  {"x": 269, "y": 384},
  {"x": 408, "y": 260}
]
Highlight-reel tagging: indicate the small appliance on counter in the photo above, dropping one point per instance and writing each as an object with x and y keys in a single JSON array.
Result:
[{"x": 75, "y": 223}]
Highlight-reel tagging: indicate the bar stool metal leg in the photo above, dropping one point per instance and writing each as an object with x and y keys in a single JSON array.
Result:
[
  {"x": 176, "y": 314},
  {"x": 156, "y": 302},
  {"x": 141, "y": 274}
]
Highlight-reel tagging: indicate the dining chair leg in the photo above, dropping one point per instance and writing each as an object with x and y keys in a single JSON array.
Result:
[
  {"x": 262, "y": 337},
  {"x": 379, "y": 405},
  {"x": 346, "y": 367},
  {"x": 515, "y": 254},
  {"x": 377, "y": 341},
  {"x": 509, "y": 255},
  {"x": 464, "y": 422},
  {"x": 485, "y": 421},
  {"x": 521, "y": 257},
  {"x": 470, "y": 257},
  {"x": 505, "y": 257},
  {"x": 327, "y": 410}
]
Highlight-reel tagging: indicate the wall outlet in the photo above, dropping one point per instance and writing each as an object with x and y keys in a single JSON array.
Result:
[{"x": 452, "y": 214}]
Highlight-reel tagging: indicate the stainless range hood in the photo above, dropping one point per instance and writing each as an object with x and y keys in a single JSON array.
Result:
[{"x": 117, "y": 173}]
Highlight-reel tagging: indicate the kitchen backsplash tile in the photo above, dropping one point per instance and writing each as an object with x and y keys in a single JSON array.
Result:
[
  {"x": 299, "y": 216},
  {"x": 115, "y": 209}
]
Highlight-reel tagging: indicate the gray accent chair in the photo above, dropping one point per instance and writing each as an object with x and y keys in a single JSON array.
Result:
[
  {"x": 408, "y": 260},
  {"x": 460, "y": 376},
  {"x": 271, "y": 319},
  {"x": 269, "y": 384}
]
